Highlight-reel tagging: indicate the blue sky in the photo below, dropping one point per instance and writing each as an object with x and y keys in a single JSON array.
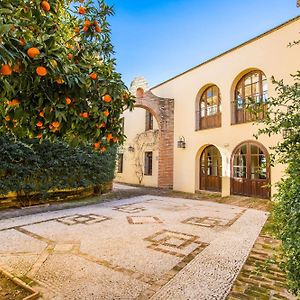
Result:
[{"x": 159, "y": 39}]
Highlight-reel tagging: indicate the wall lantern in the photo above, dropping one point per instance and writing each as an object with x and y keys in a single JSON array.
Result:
[
  {"x": 287, "y": 132},
  {"x": 131, "y": 149},
  {"x": 181, "y": 142}
]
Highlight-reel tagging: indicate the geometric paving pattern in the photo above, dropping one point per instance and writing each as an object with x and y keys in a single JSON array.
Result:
[
  {"x": 129, "y": 208},
  {"x": 136, "y": 261},
  {"x": 82, "y": 219},
  {"x": 206, "y": 221},
  {"x": 173, "y": 243},
  {"x": 143, "y": 220}
]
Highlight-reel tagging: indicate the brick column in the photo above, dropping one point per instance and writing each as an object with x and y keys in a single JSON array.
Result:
[{"x": 163, "y": 110}]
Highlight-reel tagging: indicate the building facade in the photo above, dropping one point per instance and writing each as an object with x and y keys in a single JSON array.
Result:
[{"x": 214, "y": 148}]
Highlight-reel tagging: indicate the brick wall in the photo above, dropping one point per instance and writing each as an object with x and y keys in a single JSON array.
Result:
[{"x": 163, "y": 110}]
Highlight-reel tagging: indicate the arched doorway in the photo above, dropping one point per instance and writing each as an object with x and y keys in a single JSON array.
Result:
[
  {"x": 211, "y": 169},
  {"x": 250, "y": 170}
]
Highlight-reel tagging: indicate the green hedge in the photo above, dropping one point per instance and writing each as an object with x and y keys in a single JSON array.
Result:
[
  {"x": 28, "y": 167},
  {"x": 287, "y": 222}
]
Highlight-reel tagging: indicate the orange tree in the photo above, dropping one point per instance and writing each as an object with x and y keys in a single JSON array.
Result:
[{"x": 57, "y": 73}]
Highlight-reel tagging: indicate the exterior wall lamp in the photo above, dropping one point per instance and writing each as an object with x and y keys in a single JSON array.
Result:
[
  {"x": 181, "y": 142},
  {"x": 131, "y": 149}
]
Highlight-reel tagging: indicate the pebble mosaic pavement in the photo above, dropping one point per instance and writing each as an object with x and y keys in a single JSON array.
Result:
[{"x": 146, "y": 247}]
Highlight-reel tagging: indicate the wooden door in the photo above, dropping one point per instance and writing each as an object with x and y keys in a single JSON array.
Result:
[
  {"x": 211, "y": 169},
  {"x": 250, "y": 171}
]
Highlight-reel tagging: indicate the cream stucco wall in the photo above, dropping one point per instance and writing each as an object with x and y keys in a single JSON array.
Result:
[
  {"x": 269, "y": 54},
  {"x": 134, "y": 124}
]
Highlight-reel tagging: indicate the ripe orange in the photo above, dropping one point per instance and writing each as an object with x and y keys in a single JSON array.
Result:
[
  {"x": 39, "y": 136},
  {"x": 85, "y": 28},
  {"x": 109, "y": 137},
  {"x": 55, "y": 124},
  {"x": 7, "y": 118},
  {"x": 70, "y": 56},
  {"x": 106, "y": 113},
  {"x": 59, "y": 81},
  {"x": 39, "y": 124},
  {"x": 42, "y": 114},
  {"x": 68, "y": 100},
  {"x": 45, "y": 5},
  {"x": 82, "y": 10},
  {"x": 103, "y": 149},
  {"x": 98, "y": 29},
  {"x": 41, "y": 71},
  {"x": 6, "y": 70},
  {"x": 14, "y": 102},
  {"x": 87, "y": 22},
  {"x": 97, "y": 145},
  {"x": 84, "y": 115},
  {"x": 106, "y": 98},
  {"x": 33, "y": 52},
  {"x": 93, "y": 76}
]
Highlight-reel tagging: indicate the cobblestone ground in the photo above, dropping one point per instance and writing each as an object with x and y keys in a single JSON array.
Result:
[{"x": 143, "y": 247}]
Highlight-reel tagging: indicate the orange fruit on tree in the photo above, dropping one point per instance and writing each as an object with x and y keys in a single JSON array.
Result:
[
  {"x": 70, "y": 56},
  {"x": 45, "y": 5},
  {"x": 41, "y": 71},
  {"x": 14, "y": 102},
  {"x": 7, "y": 118},
  {"x": 87, "y": 22},
  {"x": 82, "y": 10},
  {"x": 59, "y": 81},
  {"x": 106, "y": 113},
  {"x": 33, "y": 52},
  {"x": 84, "y": 115},
  {"x": 97, "y": 145},
  {"x": 55, "y": 124},
  {"x": 106, "y": 98},
  {"x": 85, "y": 28},
  {"x": 39, "y": 136},
  {"x": 109, "y": 137},
  {"x": 98, "y": 29},
  {"x": 42, "y": 114},
  {"x": 93, "y": 76},
  {"x": 68, "y": 100},
  {"x": 39, "y": 124},
  {"x": 6, "y": 70},
  {"x": 103, "y": 149}
]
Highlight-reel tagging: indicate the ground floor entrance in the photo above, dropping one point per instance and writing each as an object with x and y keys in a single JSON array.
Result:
[
  {"x": 250, "y": 171},
  {"x": 211, "y": 169}
]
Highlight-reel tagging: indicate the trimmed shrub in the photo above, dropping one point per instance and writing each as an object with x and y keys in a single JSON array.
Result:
[{"x": 28, "y": 167}]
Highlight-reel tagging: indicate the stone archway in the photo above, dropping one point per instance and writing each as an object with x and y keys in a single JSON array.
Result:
[{"x": 163, "y": 110}]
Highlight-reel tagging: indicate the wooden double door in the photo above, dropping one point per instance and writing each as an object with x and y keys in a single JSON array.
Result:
[
  {"x": 250, "y": 171},
  {"x": 211, "y": 169}
]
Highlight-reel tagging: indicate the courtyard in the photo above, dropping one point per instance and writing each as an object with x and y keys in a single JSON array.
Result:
[{"x": 142, "y": 247}]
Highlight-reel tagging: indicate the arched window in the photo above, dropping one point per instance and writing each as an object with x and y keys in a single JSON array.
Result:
[
  {"x": 209, "y": 113},
  {"x": 250, "y": 92}
]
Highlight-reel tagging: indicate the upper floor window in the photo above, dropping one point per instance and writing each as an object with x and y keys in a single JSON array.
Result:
[
  {"x": 250, "y": 90},
  {"x": 209, "y": 113},
  {"x": 149, "y": 120}
]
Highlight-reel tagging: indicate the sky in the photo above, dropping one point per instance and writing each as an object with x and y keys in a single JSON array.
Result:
[{"x": 159, "y": 39}]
